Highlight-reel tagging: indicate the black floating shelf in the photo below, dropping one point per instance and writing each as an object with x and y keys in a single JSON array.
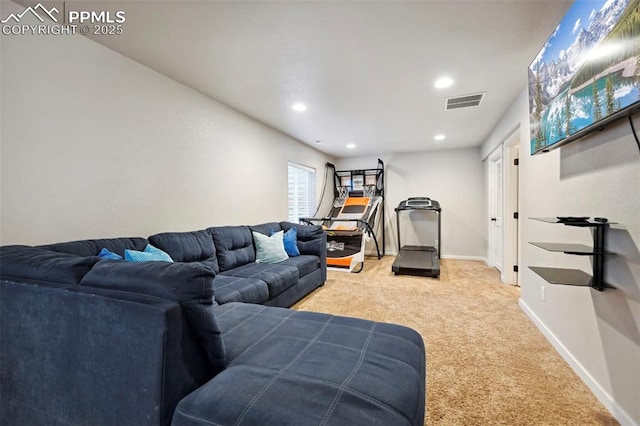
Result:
[
  {"x": 563, "y": 276},
  {"x": 586, "y": 222},
  {"x": 577, "y": 249},
  {"x": 575, "y": 276}
]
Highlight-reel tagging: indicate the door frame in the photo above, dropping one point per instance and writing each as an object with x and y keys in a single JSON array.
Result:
[
  {"x": 495, "y": 239},
  {"x": 510, "y": 226}
]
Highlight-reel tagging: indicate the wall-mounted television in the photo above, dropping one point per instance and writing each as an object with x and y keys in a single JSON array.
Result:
[{"x": 587, "y": 74}]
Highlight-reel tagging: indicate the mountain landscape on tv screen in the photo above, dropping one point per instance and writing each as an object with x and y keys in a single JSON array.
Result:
[{"x": 588, "y": 70}]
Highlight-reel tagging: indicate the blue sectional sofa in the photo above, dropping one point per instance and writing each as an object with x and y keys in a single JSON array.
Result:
[
  {"x": 204, "y": 340},
  {"x": 230, "y": 253}
]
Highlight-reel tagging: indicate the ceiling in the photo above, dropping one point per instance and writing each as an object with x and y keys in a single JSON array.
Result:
[{"x": 364, "y": 69}]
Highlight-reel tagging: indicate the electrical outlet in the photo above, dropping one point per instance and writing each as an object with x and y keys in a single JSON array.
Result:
[{"x": 542, "y": 292}]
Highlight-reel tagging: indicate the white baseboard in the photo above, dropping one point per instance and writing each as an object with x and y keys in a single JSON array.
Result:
[
  {"x": 603, "y": 396},
  {"x": 456, "y": 257},
  {"x": 375, "y": 254},
  {"x": 446, "y": 256}
]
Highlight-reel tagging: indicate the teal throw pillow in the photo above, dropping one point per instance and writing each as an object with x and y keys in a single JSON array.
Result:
[
  {"x": 290, "y": 242},
  {"x": 269, "y": 249},
  {"x": 150, "y": 254},
  {"x": 105, "y": 253}
]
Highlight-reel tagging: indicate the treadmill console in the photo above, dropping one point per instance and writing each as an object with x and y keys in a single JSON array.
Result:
[{"x": 419, "y": 203}]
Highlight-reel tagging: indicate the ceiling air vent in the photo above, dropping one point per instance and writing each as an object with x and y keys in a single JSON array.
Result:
[{"x": 465, "y": 101}]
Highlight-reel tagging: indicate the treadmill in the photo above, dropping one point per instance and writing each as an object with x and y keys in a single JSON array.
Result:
[{"x": 418, "y": 260}]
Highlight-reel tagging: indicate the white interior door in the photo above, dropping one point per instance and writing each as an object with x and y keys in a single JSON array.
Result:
[{"x": 495, "y": 209}]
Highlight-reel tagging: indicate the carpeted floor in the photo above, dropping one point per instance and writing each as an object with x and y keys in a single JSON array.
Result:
[{"x": 487, "y": 363}]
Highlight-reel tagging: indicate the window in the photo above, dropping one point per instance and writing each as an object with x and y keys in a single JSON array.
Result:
[{"x": 302, "y": 192}]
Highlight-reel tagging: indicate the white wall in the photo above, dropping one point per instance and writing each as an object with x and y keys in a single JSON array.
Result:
[
  {"x": 597, "y": 333},
  {"x": 96, "y": 145},
  {"x": 455, "y": 178}
]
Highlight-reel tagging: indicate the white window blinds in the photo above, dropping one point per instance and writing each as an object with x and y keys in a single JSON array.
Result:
[{"x": 302, "y": 191}]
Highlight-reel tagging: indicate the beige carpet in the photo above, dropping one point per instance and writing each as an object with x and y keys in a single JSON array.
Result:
[{"x": 487, "y": 363}]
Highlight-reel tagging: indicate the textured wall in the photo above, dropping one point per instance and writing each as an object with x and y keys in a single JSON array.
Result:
[
  {"x": 455, "y": 178},
  {"x": 96, "y": 145}
]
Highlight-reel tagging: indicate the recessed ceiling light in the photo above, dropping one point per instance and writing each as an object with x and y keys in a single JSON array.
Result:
[
  {"x": 439, "y": 137},
  {"x": 443, "y": 82},
  {"x": 351, "y": 145},
  {"x": 299, "y": 107}
]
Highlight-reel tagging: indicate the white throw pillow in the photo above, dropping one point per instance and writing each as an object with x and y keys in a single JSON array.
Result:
[{"x": 270, "y": 249}]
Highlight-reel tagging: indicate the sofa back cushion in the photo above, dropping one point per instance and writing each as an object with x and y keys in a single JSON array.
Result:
[
  {"x": 93, "y": 247},
  {"x": 266, "y": 228},
  {"x": 234, "y": 246},
  {"x": 196, "y": 246},
  {"x": 37, "y": 265},
  {"x": 190, "y": 284}
]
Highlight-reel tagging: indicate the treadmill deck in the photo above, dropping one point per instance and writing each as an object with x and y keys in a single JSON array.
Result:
[{"x": 417, "y": 260}]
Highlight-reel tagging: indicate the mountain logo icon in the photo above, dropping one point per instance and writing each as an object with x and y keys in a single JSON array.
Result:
[{"x": 43, "y": 11}]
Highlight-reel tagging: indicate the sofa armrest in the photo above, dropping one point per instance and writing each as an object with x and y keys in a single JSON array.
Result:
[
  {"x": 311, "y": 240},
  {"x": 189, "y": 284},
  {"x": 71, "y": 356}
]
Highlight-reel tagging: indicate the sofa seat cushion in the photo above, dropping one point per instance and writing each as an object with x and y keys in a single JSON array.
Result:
[
  {"x": 305, "y": 263},
  {"x": 190, "y": 284},
  {"x": 195, "y": 246},
  {"x": 277, "y": 276},
  {"x": 290, "y": 367},
  {"x": 37, "y": 265},
  {"x": 238, "y": 289}
]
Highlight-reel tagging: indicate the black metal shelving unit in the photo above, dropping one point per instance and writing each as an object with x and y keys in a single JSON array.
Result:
[{"x": 577, "y": 277}]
